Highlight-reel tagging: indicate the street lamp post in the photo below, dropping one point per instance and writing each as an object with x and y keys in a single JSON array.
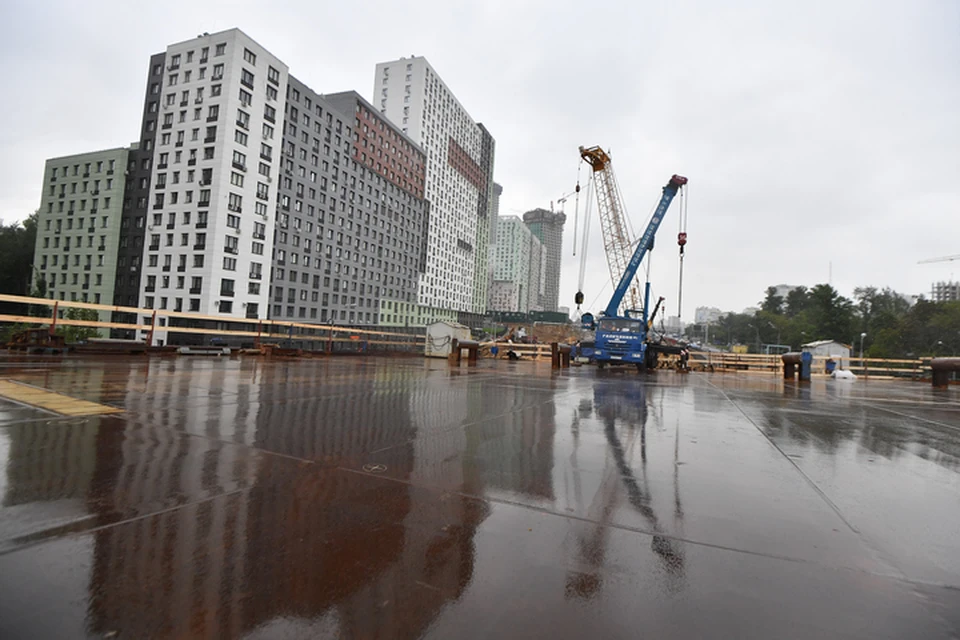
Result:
[
  {"x": 862, "y": 336},
  {"x": 754, "y": 327}
]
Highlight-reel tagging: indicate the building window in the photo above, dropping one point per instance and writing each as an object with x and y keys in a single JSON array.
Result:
[
  {"x": 249, "y": 56},
  {"x": 273, "y": 75},
  {"x": 221, "y": 49}
]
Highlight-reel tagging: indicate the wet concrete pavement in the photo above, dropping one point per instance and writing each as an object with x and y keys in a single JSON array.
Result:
[{"x": 397, "y": 498}]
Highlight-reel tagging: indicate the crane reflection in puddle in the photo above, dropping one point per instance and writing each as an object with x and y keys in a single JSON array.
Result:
[{"x": 624, "y": 411}]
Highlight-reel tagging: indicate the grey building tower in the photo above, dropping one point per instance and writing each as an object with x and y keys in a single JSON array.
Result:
[{"x": 548, "y": 227}]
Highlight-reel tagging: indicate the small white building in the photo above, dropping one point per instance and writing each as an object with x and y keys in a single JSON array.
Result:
[
  {"x": 831, "y": 348},
  {"x": 440, "y": 336}
]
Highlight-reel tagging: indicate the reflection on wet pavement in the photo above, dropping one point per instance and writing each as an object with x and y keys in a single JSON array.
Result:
[{"x": 397, "y": 498}]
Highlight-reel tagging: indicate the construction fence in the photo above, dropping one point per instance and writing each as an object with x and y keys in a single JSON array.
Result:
[{"x": 183, "y": 328}]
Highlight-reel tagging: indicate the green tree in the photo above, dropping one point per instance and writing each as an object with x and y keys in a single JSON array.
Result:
[
  {"x": 73, "y": 333},
  {"x": 798, "y": 299},
  {"x": 17, "y": 241},
  {"x": 772, "y": 303},
  {"x": 831, "y": 315}
]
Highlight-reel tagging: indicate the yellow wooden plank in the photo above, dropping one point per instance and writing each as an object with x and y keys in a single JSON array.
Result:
[{"x": 51, "y": 400}]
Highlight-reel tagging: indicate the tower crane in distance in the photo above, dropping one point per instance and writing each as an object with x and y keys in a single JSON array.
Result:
[{"x": 941, "y": 259}]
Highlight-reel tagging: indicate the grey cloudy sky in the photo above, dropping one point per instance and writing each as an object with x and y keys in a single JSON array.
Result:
[{"x": 813, "y": 132}]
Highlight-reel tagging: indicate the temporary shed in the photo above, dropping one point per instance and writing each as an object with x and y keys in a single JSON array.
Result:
[
  {"x": 440, "y": 335},
  {"x": 830, "y": 348}
]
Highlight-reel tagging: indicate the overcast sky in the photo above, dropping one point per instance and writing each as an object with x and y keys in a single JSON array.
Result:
[{"x": 811, "y": 132}]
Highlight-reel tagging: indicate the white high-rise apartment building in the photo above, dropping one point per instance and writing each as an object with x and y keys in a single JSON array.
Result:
[
  {"x": 459, "y": 182},
  {"x": 519, "y": 262},
  {"x": 214, "y": 177}
]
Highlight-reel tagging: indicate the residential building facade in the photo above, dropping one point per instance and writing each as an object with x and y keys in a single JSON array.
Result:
[
  {"x": 492, "y": 248},
  {"x": 133, "y": 223},
  {"x": 518, "y": 267},
  {"x": 459, "y": 182},
  {"x": 78, "y": 227},
  {"x": 214, "y": 177},
  {"x": 250, "y": 196},
  {"x": 547, "y": 226},
  {"x": 387, "y": 180}
]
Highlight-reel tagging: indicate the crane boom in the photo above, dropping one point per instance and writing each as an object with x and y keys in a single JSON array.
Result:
[
  {"x": 943, "y": 259},
  {"x": 617, "y": 239},
  {"x": 645, "y": 243}
]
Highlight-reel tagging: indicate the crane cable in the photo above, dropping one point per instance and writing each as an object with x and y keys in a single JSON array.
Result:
[
  {"x": 681, "y": 241},
  {"x": 583, "y": 242},
  {"x": 576, "y": 209}
]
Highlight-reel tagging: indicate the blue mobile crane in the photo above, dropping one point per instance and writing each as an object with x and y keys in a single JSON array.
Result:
[{"x": 622, "y": 339}]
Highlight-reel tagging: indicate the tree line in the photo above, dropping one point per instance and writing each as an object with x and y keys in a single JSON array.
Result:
[
  {"x": 894, "y": 326},
  {"x": 17, "y": 241}
]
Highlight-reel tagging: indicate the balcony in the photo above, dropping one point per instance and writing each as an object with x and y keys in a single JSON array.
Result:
[
  {"x": 166, "y": 125},
  {"x": 150, "y": 289},
  {"x": 154, "y": 247},
  {"x": 206, "y": 182},
  {"x": 165, "y": 268},
  {"x": 209, "y": 140},
  {"x": 235, "y": 209},
  {"x": 171, "y": 225},
  {"x": 230, "y": 250},
  {"x": 255, "y": 276},
  {"x": 195, "y": 291},
  {"x": 184, "y": 103},
  {"x": 86, "y": 174},
  {"x": 93, "y": 210},
  {"x": 201, "y": 225},
  {"x": 203, "y": 203},
  {"x": 226, "y": 293},
  {"x": 162, "y": 165},
  {"x": 241, "y": 167},
  {"x": 95, "y": 192},
  {"x": 192, "y": 162},
  {"x": 246, "y": 83},
  {"x": 178, "y": 144},
  {"x": 91, "y": 229},
  {"x": 158, "y": 206},
  {"x": 86, "y": 267},
  {"x": 259, "y": 236},
  {"x": 109, "y": 172},
  {"x": 181, "y": 268},
  {"x": 269, "y": 118},
  {"x": 161, "y": 186},
  {"x": 200, "y": 247},
  {"x": 102, "y": 248},
  {"x": 217, "y": 76}
]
